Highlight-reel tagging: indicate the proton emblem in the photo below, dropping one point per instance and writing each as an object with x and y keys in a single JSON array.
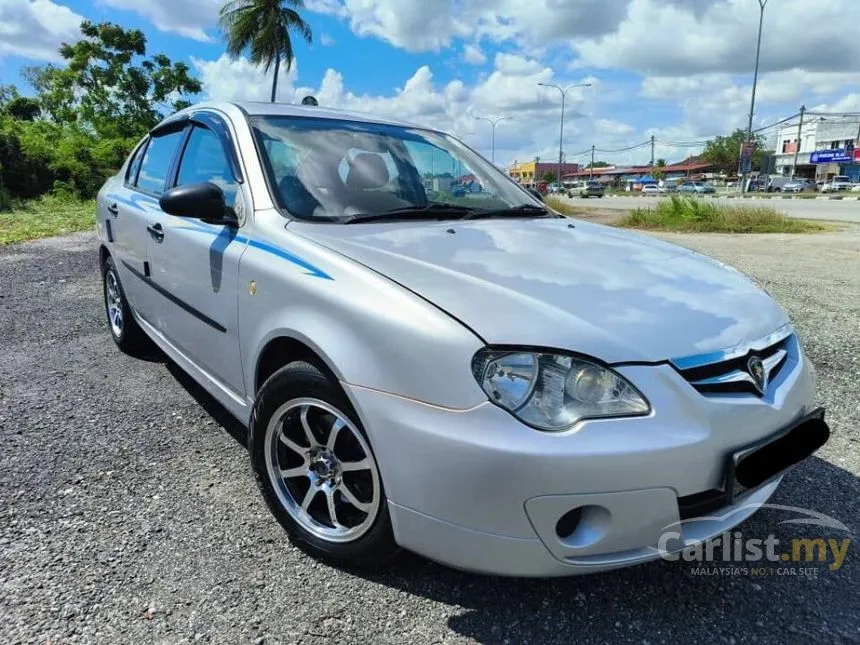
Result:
[{"x": 755, "y": 367}]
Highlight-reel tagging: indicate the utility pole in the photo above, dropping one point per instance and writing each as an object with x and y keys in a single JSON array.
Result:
[
  {"x": 762, "y": 4},
  {"x": 797, "y": 145},
  {"x": 494, "y": 123},
  {"x": 591, "y": 167},
  {"x": 652, "y": 155},
  {"x": 561, "y": 131}
]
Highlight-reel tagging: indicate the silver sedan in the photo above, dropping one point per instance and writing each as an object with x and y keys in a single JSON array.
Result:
[{"x": 427, "y": 357}]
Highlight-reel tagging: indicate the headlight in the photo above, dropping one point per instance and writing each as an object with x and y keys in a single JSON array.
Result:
[{"x": 554, "y": 391}]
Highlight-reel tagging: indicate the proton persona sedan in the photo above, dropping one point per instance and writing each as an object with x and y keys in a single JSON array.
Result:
[{"x": 464, "y": 374}]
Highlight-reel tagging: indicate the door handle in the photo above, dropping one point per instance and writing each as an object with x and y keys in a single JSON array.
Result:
[
  {"x": 113, "y": 209},
  {"x": 156, "y": 231}
]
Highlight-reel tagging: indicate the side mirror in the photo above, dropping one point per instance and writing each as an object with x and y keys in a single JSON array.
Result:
[
  {"x": 536, "y": 193},
  {"x": 199, "y": 201}
]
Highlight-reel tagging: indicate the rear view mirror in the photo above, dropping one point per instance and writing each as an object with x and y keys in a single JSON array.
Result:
[
  {"x": 536, "y": 193},
  {"x": 203, "y": 201}
]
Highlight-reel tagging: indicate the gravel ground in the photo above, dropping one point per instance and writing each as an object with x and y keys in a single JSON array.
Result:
[{"x": 128, "y": 513}]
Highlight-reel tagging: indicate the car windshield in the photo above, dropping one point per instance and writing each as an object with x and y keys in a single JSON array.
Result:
[{"x": 338, "y": 170}]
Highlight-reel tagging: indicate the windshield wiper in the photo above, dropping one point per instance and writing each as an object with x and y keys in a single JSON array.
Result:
[
  {"x": 525, "y": 210},
  {"x": 440, "y": 211},
  {"x": 430, "y": 211}
]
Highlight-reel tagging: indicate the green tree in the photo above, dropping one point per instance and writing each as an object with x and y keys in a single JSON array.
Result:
[
  {"x": 24, "y": 108},
  {"x": 725, "y": 152},
  {"x": 110, "y": 85},
  {"x": 661, "y": 163},
  {"x": 549, "y": 177},
  {"x": 598, "y": 164},
  {"x": 262, "y": 28}
]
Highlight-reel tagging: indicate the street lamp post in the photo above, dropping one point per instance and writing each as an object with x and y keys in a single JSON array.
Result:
[
  {"x": 494, "y": 123},
  {"x": 762, "y": 4},
  {"x": 564, "y": 92}
]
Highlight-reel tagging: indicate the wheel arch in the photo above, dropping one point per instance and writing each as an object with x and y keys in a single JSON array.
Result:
[{"x": 283, "y": 349}]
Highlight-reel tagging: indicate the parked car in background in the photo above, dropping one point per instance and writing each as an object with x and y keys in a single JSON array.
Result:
[
  {"x": 776, "y": 183},
  {"x": 455, "y": 376},
  {"x": 799, "y": 186},
  {"x": 653, "y": 189},
  {"x": 587, "y": 189},
  {"x": 555, "y": 189},
  {"x": 696, "y": 188},
  {"x": 837, "y": 184}
]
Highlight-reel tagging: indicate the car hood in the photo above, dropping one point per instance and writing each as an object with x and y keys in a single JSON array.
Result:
[{"x": 608, "y": 293}]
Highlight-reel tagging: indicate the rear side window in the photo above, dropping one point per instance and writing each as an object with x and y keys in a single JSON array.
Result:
[
  {"x": 204, "y": 160},
  {"x": 156, "y": 162},
  {"x": 134, "y": 164}
]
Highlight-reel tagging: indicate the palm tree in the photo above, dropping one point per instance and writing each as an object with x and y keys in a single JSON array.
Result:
[{"x": 263, "y": 27}]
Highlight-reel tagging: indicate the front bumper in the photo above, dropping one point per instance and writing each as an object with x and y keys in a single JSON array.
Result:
[{"x": 478, "y": 490}]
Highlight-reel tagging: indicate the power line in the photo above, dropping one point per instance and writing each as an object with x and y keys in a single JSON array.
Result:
[
  {"x": 778, "y": 123},
  {"x": 633, "y": 147}
]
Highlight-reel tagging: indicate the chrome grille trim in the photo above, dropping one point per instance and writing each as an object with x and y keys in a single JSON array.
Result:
[
  {"x": 731, "y": 373},
  {"x": 710, "y": 358},
  {"x": 771, "y": 363}
]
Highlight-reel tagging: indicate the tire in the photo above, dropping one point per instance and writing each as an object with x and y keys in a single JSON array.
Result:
[
  {"x": 295, "y": 400},
  {"x": 124, "y": 330}
]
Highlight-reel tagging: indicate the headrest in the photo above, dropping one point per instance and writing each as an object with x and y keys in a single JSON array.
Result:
[{"x": 367, "y": 171}]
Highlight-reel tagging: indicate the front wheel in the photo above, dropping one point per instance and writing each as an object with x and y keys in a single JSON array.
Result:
[{"x": 316, "y": 469}]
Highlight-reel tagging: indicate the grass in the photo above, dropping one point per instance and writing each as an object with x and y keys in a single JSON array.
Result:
[
  {"x": 564, "y": 207},
  {"x": 45, "y": 217},
  {"x": 690, "y": 215}
]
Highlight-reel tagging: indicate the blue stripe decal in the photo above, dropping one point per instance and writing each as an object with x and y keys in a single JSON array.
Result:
[
  {"x": 193, "y": 225},
  {"x": 281, "y": 253}
]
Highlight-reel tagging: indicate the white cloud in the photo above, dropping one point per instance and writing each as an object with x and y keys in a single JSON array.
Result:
[
  {"x": 36, "y": 28},
  {"x": 676, "y": 38},
  {"x": 225, "y": 79},
  {"x": 413, "y": 25},
  {"x": 473, "y": 55},
  {"x": 424, "y": 25},
  {"x": 189, "y": 18},
  {"x": 326, "y": 40},
  {"x": 330, "y": 7}
]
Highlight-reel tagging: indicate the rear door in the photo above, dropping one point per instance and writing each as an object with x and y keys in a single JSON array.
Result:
[
  {"x": 135, "y": 206},
  {"x": 125, "y": 228},
  {"x": 195, "y": 264}
]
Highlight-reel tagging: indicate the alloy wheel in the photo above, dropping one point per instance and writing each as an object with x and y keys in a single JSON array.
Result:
[
  {"x": 322, "y": 470},
  {"x": 113, "y": 296}
]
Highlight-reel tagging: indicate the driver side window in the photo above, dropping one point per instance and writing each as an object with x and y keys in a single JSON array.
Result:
[{"x": 205, "y": 160}]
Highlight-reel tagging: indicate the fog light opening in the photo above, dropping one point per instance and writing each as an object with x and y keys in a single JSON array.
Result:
[
  {"x": 583, "y": 526},
  {"x": 568, "y": 522}
]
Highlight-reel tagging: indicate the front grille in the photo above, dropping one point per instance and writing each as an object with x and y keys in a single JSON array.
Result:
[{"x": 730, "y": 372}]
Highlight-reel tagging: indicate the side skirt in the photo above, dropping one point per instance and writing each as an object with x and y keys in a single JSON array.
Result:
[{"x": 233, "y": 401}]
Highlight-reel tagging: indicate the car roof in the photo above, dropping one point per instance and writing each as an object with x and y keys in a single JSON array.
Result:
[
  {"x": 261, "y": 108},
  {"x": 236, "y": 109}
]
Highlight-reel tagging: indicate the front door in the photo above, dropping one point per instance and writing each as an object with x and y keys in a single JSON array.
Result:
[{"x": 195, "y": 267}]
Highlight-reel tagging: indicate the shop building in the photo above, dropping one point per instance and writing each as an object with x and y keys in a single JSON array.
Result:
[
  {"x": 532, "y": 172},
  {"x": 822, "y": 148}
]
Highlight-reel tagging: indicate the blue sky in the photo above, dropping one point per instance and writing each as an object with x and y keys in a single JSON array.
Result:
[{"x": 679, "y": 70}]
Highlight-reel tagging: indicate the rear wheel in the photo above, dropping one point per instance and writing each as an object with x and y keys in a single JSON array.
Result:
[
  {"x": 316, "y": 468},
  {"x": 124, "y": 330}
]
